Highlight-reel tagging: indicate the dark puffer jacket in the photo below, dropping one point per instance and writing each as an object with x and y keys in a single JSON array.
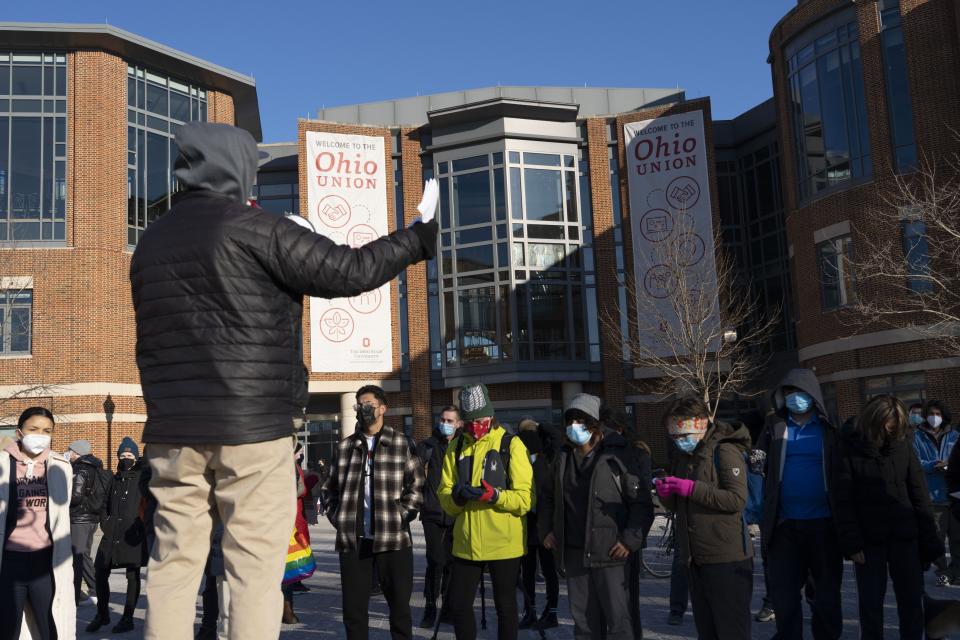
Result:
[
  {"x": 218, "y": 291},
  {"x": 89, "y": 491},
  {"x": 710, "y": 524},
  {"x": 620, "y": 507},
  {"x": 124, "y": 542},
  {"x": 431, "y": 452},
  {"x": 881, "y": 494}
]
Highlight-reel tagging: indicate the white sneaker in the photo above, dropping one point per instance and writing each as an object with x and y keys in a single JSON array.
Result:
[{"x": 92, "y": 600}]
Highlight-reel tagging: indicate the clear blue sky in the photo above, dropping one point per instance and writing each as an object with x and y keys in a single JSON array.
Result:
[{"x": 305, "y": 54}]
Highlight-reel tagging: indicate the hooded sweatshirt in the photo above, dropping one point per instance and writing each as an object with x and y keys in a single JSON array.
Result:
[
  {"x": 31, "y": 533},
  {"x": 216, "y": 157}
]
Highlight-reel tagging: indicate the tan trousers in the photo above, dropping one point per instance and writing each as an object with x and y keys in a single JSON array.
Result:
[{"x": 253, "y": 488}]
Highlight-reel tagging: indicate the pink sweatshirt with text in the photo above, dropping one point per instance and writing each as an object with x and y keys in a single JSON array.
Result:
[{"x": 31, "y": 532}]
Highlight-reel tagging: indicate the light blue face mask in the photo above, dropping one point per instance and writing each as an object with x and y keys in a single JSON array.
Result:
[
  {"x": 687, "y": 443},
  {"x": 799, "y": 402},
  {"x": 578, "y": 434},
  {"x": 916, "y": 419},
  {"x": 533, "y": 458},
  {"x": 447, "y": 429}
]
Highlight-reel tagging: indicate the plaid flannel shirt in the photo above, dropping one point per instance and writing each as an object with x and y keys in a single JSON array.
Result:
[{"x": 396, "y": 491}]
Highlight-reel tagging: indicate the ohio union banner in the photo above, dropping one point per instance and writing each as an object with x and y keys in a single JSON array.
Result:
[{"x": 347, "y": 202}]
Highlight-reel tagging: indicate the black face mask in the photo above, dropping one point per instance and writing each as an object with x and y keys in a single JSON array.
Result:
[
  {"x": 366, "y": 415},
  {"x": 126, "y": 464}
]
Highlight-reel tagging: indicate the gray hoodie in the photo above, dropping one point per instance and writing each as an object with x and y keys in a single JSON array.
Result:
[
  {"x": 803, "y": 379},
  {"x": 216, "y": 157}
]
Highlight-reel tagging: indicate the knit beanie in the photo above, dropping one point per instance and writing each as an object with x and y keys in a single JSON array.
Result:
[
  {"x": 127, "y": 445},
  {"x": 81, "y": 447},
  {"x": 475, "y": 403},
  {"x": 586, "y": 403}
]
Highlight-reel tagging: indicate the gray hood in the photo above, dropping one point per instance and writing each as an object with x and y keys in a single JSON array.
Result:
[
  {"x": 216, "y": 157},
  {"x": 803, "y": 379}
]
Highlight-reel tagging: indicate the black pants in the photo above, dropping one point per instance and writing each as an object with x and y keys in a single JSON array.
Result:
[
  {"x": 633, "y": 577},
  {"x": 463, "y": 593},
  {"x": 211, "y": 603},
  {"x": 26, "y": 577},
  {"x": 395, "y": 573},
  {"x": 103, "y": 568},
  {"x": 81, "y": 540},
  {"x": 902, "y": 559},
  {"x": 720, "y": 594},
  {"x": 528, "y": 576},
  {"x": 799, "y": 548},
  {"x": 679, "y": 587},
  {"x": 439, "y": 541}
]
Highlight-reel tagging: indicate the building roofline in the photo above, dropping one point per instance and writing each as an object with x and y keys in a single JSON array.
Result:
[{"x": 72, "y": 36}]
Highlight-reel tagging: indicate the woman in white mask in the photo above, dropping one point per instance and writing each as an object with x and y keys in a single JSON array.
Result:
[{"x": 36, "y": 563}]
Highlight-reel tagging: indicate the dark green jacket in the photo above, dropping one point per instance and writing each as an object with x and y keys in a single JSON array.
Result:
[{"x": 710, "y": 524}]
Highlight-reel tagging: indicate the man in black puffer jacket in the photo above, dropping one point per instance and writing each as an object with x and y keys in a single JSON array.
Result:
[
  {"x": 218, "y": 291},
  {"x": 86, "y": 505}
]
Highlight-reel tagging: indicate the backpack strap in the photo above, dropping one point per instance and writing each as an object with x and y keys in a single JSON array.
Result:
[{"x": 505, "y": 443}]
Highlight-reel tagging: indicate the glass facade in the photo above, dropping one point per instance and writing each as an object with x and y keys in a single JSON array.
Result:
[
  {"x": 899, "y": 105},
  {"x": 837, "y": 284},
  {"x": 512, "y": 252},
  {"x": 278, "y": 192},
  {"x": 916, "y": 251},
  {"x": 33, "y": 147},
  {"x": 157, "y": 106},
  {"x": 16, "y": 322},
  {"x": 829, "y": 116}
]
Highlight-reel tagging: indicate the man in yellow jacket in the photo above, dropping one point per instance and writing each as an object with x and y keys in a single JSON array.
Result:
[{"x": 487, "y": 486}]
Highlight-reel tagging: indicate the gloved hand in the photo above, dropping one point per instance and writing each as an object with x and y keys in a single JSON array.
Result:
[
  {"x": 490, "y": 494},
  {"x": 680, "y": 486},
  {"x": 430, "y": 201},
  {"x": 462, "y": 493},
  {"x": 758, "y": 459},
  {"x": 664, "y": 490}
]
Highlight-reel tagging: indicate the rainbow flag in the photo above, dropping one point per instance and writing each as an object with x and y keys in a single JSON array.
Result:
[{"x": 300, "y": 561}]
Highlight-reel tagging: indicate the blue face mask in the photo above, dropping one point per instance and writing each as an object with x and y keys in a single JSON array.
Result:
[
  {"x": 446, "y": 429},
  {"x": 799, "y": 402},
  {"x": 533, "y": 458},
  {"x": 687, "y": 443},
  {"x": 578, "y": 434},
  {"x": 916, "y": 419}
]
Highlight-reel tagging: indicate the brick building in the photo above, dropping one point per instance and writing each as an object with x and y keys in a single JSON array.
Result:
[{"x": 536, "y": 241}]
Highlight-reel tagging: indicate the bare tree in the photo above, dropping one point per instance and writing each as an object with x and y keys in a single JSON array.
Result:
[
  {"x": 908, "y": 257},
  {"x": 698, "y": 328}
]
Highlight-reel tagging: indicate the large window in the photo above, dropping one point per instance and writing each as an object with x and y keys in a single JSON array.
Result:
[
  {"x": 33, "y": 147},
  {"x": 829, "y": 114},
  {"x": 917, "y": 255},
  {"x": 909, "y": 387},
  {"x": 511, "y": 261},
  {"x": 837, "y": 284},
  {"x": 156, "y": 108},
  {"x": 898, "y": 86},
  {"x": 278, "y": 192},
  {"x": 16, "y": 321}
]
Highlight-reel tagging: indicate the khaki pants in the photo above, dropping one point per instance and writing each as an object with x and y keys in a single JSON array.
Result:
[{"x": 253, "y": 488}]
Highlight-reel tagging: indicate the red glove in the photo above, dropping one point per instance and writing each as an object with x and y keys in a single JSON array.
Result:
[
  {"x": 680, "y": 486},
  {"x": 490, "y": 495}
]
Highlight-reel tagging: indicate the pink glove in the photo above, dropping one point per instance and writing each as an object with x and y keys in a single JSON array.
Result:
[
  {"x": 663, "y": 489},
  {"x": 680, "y": 486}
]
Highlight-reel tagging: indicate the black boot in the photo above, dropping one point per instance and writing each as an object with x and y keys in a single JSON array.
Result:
[
  {"x": 529, "y": 619},
  {"x": 125, "y": 624},
  {"x": 101, "y": 620},
  {"x": 206, "y": 633},
  {"x": 548, "y": 620},
  {"x": 429, "y": 616}
]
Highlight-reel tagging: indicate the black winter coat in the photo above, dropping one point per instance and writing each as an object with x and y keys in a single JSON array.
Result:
[
  {"x": 881, "y": 494},
  {"x": 218, "y": 292},
  {"x": 620, "y": 507},
  {"x": 431, "y": 452},
  {"x": 124, "y": 542},
  {"x": 88, "y": 496}
]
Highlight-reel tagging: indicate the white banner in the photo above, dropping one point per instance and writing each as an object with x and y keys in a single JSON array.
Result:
[
  {"x": 671, "y": 218},
  {"x": 347, "y": 202}
]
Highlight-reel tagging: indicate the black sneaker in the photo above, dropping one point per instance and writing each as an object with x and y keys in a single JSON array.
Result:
[
  {"x": 125, "y": 624},
  {"x": 429, "y": 617},
  {"x": 96, "y": 623},
  {"x": 766, "y": 614},
  {"x": 548, "y": 620},
  {"x": 528, "y": 620},
  {"x": 675, "y": 619}
]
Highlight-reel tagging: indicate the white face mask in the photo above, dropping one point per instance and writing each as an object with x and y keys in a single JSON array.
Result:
[
  {"x": 35, "y": 443},
  {"x": 935, "y": 421}
]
